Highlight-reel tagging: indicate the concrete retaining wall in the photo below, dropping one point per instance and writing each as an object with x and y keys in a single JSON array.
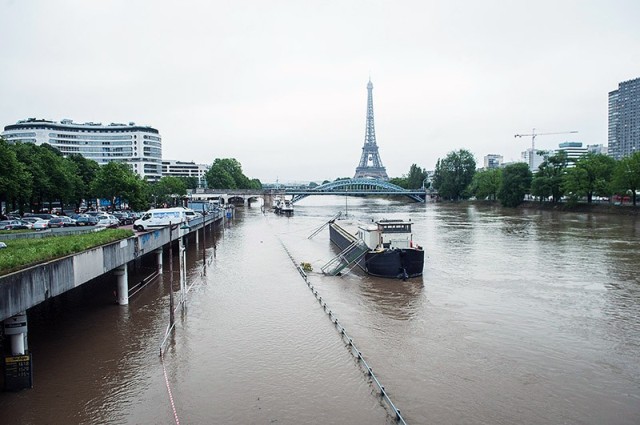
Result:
[{"x": 26, "y": 288}]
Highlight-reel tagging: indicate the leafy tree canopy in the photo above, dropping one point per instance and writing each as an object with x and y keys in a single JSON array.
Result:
[
  {"x": 515, "y": 183},
  {"x": 454, "y": 173},
  {"x": 167, "y": 190},
  {"x": 548, "y": 180},
  {"x": 590, "y": 176},
  {"x": 400, "y": 181},
  {"x": 15, "y": 181},
  {"x": 226, "y": 173},
  {"x": 486, "y": 183},
  {"x": 115, "y": 180},
  {"x": 626, "y": 176}
]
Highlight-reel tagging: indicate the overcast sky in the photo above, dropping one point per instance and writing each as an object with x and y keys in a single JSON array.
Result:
[{"x": 281, "y": 85}]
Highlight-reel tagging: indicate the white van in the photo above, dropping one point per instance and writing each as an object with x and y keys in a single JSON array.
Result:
[{"x": 160, "y": 217}]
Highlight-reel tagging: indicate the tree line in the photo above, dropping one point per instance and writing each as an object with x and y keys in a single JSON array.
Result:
[
  {"x": 592, "y": 175},
  {"x": 36, "y": 177}
]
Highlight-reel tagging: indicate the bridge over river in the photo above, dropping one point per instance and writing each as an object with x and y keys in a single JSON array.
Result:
[{"x": 346, "y": 187}]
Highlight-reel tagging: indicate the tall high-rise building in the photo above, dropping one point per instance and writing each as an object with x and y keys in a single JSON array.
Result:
[
  {"x": 370, "y": 165},
  {"x": 624, "y": 119},
  {"x": 138, "y": 146}
]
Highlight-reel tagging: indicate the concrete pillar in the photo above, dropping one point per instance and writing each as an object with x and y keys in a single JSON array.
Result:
[
  {"x": 17, "y": 344},
  {"x": 159, "y": 258},
  {"x": 123, "y": 285},
  {"x": 16, "y": 328},
  {"x": 197, "y": 237}
]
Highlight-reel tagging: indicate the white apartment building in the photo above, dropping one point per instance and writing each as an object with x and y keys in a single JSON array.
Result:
[
  {"x": 574, "y": 151},
  {"x": 138, "y": 146},
  {"x": 185, "y": 169},
  {"x": 493, "y": 160},
  {"x": 534, "y": 158}
]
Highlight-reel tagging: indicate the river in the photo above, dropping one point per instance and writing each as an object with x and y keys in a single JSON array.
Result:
[{"x": 528, "y": 317}]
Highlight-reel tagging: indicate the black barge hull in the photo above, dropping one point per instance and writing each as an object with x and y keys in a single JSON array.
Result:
[{"x": 391, "y": 263}]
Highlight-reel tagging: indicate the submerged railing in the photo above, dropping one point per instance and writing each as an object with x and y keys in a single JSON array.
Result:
[{"x": 346, "y": 338}]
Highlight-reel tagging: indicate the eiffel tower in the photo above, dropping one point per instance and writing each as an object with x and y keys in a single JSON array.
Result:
[{"x": 370, "y": 163}]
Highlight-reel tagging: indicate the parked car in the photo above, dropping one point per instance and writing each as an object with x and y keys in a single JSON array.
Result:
[
  {"x": 43, "y": 216},
  {"x": 124, "y": 217},
  {"x": 160, "y": 217},
  {"x": 41, "y": 225},
  {"x": 12, "y": 225},
  {"x": 61, "y": 222},
  {"x": 107, "y": 220},
  {"x": 86, "y": 220},
  {"x": 31, "y": 219},
  {"x": 27, "y": 223}
]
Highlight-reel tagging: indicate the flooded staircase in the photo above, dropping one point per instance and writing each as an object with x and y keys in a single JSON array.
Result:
[{"x": 348, "y": 257}]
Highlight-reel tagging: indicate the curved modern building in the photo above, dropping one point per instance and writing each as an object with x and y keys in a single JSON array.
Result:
[{"x": 138, "y": 146}]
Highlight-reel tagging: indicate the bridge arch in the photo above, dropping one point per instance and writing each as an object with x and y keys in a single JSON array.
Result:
[{"x": 361, "y": 186}]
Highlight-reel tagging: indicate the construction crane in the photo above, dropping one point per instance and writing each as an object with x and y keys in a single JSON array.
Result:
[{"x": 533, "y": 141}]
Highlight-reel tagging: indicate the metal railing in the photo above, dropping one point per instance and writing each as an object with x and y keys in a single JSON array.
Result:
[{"x": 349, "y": 341}]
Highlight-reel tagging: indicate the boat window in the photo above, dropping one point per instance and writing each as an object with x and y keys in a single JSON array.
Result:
[{"x": 396, "y": 228}]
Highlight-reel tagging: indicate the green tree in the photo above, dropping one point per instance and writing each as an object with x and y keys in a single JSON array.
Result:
[
  {"x": 168, "y": 189},
  {"x": 626, "y": 176},
  {"x": 416, "y": 177},
  {"x": 15, "y": 181},
  {"x": 189, "y": 182},
  {"x": 86, "y": 169},
  {"x": 486, "y": 184},
  {"x": 454, "y": 173},
  {"x": 547, "y": 182},
  {"x": 403, "y": 182},
  {"x": 515, "y": 183},
  {"x": 138, "y": 198},
  {"x": 226, "y": 173},
  {"x": 255, "y": 184},
  {"x": 33, "y": 159},
  {"x": 591, "y": 175},
  {"x": 219, "y": 178},
  {"x": 53, "y": 178},
  {"x": 63, "y": 177},
  {"x": 115, "y": 180}
]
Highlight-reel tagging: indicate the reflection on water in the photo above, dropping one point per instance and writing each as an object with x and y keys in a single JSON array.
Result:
[{"x": 396, "y": 299}]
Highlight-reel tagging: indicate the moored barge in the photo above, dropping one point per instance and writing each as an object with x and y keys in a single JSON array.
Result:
[{"x": 389, "y": 248}]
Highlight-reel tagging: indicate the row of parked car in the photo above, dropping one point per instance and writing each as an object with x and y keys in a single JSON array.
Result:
[{"x": 89, "y": 218}]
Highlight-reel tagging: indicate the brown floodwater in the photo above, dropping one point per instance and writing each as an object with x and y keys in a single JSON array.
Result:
[{"x": 521, "y": 317}]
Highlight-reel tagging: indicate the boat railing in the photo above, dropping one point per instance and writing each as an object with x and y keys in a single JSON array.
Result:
[{"x": 321, "y": 228}]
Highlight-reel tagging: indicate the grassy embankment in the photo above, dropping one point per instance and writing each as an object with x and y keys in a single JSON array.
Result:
[{"x": 21, "y": 253}]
